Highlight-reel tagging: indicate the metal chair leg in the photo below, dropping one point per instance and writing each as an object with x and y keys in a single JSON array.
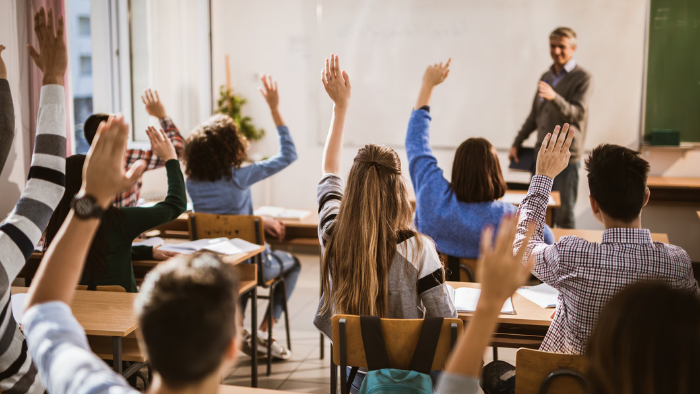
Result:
[
  {"x": 286, "y": 316},
  {"x": 269, "y": 328},
  {"x": 334, "y": 375},
  {"x": 320, "y": 269},
  {"x": 495, "y": 353}
]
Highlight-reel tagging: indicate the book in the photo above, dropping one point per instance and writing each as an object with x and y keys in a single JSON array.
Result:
[
  {"x": 467, "y": 298},
  {"x": 526, "y": 160},
  {"x": 543, "y": 295},
  {"x": 222, "y": 245},
  {"x": 282, "y": 213}
]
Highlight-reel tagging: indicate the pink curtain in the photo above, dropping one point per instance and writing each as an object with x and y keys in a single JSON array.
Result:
[{"x": 35, "y": 75}]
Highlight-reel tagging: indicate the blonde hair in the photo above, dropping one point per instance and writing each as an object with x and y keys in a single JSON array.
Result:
[
  {"x": 564, "y": 32},
  {"x": 374, "y": 216}
]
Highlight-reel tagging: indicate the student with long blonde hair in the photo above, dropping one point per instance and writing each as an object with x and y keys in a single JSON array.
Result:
[{"x": 373, "y": 262}]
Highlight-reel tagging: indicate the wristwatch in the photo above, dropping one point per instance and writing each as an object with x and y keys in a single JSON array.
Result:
[{"x": 86, "y": 207}]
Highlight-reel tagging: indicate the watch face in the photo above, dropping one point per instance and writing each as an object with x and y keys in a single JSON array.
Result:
[{"x": 83, "y": 207}]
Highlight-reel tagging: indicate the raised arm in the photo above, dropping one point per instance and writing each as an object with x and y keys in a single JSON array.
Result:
[
  {"x": 103, "y": 176},
  {"x": 337, "y": 85},
  {"x": 552, "y": 159},
  {"x": 7, "y": 114},
  {"x": 422, "y": 164},
  {"x": 287, "y": 155},
  {"x": 501, "y": 273}
]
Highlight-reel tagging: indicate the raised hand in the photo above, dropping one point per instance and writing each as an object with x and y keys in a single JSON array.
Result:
[
  {"x": 269, "y": 91},
  {"x": 160, "y": 144},
  {"x": 52, "y": 56},
  {"x": 152, "y": 103},
  {"x": 501, "y": 273},
  {"x": 336, "y": 82},
  {"x": 3, "y": 68},
  {"x": 554, "y": 153},
  {"x": 103, "y": 173},
  {"x": 546, "y": 92},
  {"x": 435, "y": 74}
]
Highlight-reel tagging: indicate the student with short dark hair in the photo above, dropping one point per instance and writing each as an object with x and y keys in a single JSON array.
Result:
[
  {"x": 471, "y": 200},
  {"x": 186, "y": 309},
  {"x": 219, "y": 183},
  {"x": 587, "y": 274},
  {"x": 155, "y": 108}
]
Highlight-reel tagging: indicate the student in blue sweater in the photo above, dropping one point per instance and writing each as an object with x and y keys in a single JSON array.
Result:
[
  {"x": 218, "y": 184},
  {"x": 454, "y": 213}
]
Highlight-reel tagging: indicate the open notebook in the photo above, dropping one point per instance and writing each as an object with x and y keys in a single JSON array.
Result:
[
  {"x": 543, "y": 295},
  {"x": 466, "y": 299},
  {"x": 216, "y": 245},
  {"x": 282, "y": 213}
]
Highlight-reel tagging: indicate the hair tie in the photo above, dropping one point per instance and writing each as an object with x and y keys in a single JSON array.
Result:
[{"x": 375, "y": 164}]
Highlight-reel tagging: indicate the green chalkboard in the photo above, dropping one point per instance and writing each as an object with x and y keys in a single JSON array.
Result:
[{"x": 673, "y": 68}]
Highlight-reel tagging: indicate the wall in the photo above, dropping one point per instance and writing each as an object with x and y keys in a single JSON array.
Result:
[{"x": 249, "y": 33}]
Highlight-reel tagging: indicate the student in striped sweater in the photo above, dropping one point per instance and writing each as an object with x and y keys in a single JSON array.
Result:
[{"x": 23, "y": 227}]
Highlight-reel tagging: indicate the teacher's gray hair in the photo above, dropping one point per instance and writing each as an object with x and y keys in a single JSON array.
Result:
[{"x": 564, "y": 32}]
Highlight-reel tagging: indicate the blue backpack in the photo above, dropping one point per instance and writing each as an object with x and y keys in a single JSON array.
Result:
[{"x": 381, "y": 378}]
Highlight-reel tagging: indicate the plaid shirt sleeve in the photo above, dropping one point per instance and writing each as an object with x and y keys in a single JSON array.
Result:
[
  {"x": 153, "y": 161},
  {"x": 533, "y": 210}
]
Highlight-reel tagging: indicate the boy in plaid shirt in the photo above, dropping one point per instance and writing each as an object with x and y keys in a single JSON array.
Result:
[{"x": 154, "y": 107}]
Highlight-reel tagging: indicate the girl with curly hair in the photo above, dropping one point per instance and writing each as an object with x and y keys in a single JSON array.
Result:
[{"x": 218, "y": 183}]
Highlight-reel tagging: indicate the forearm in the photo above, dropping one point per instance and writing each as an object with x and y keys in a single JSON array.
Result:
[
  {"x": 7, "y": 122},
  {"x": 571, "y": 112},
  {"x": 277, "y": 117},
  {"x": 533, "y": 211},
  {"x": 62, "y": 265},
  {"x": 333, "y": 149},
  {"x": 426, "y": 92},
  {"x": 469, "y": 354}
]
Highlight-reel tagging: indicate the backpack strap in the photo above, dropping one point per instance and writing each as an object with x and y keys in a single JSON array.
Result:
[
  {"x": 423, "y": 356},
  {"x": 373, "y": 340}
]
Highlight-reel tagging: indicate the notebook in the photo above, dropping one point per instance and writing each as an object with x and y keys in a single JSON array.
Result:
[
  {"x": 18, "y": 301},
  {"x": 543, "y": 295},
  {"x": 466, "y": 299},
  {"x": 282, "y": 213},
  {"x": 526, "y": 158},
  {"x": 222, "y": 245}
]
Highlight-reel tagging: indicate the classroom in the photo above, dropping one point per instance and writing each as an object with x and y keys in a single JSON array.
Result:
[{"x": 507, "y": 201}]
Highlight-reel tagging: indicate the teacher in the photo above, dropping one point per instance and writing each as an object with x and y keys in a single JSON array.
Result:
[{"x": 562, "y": 97}]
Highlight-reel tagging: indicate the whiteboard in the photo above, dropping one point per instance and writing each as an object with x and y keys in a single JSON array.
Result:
[{"x": 499, "y": 49}]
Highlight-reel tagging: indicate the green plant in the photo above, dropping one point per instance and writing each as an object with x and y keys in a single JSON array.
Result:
[{"x": 230, "y": 104}]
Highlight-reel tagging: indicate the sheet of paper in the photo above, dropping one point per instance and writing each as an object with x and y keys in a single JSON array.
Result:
[
  {"x": 543, "y": 295},
  {"x": 155, "y": 241},
  {"x": 234, "y": 246},
  {"x": 467, "y": 298},
  {"x": 18, "y": 306},
  {"x": 517, "y": 198},
  {"x": 192, "y": 246},
  {"x": 282, "y": 213}
]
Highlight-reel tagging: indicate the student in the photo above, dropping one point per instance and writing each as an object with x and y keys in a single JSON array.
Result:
[
  {"x": 155, "y": 108},
  {"x": 471, "y": 200},
  {"x": 186, "y": 310},
  {"x": 21, "y": 230},
  {"x": 218, "y": 184},
  {"x": 627, "y": 353},
  {"x": 111, "y": 253},
  {"x": 373, "y": 262},
  {"x": 588, "y": 274}
]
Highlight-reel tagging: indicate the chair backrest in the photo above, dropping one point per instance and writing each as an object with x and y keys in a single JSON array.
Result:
[
  {"x": 547, "y": 371},
  {"x": 460, "y": 270},
  {"x": 111, "y": 288},
  {"x": 246, "y": 227},
  {"x": 400, "y": 336}
]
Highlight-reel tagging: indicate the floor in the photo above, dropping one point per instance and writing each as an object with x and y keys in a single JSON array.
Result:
[{"x": 305, "y": 372}]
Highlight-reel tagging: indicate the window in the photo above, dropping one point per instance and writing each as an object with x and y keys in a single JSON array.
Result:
[
  {"x": 84, "y": 25},
  {"x": 86, "y": 65}
]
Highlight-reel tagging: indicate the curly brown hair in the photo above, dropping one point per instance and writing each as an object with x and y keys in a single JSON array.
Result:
[{"x": 213, "y": 148}]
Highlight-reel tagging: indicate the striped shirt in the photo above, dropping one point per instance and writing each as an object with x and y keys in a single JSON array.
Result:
[
  {"x": 589, "y": 274},
  {"x": 22, "y": 230}
]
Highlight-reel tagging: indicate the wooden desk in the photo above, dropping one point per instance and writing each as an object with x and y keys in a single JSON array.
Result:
[
  {"x": 597, "y": 235},
  {"x": 673, "y": 190},
  {"x": 526, "y": 328},
  {"x": 104, "y": 315},
  {"x": 223, "y": 389},
  {"x": 300, "y": 232}
]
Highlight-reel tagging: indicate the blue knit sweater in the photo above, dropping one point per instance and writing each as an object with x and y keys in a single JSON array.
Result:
[{"x": 455, "y": 226}]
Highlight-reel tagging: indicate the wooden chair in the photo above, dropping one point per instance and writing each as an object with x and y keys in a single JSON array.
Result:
[
  {"x": 248, "y": 228},
  {"x": 111, "y": 288},
  {"x": 458, "y": 269},
  {"x": 549, "y": 373},
  {"x": 400, "y": 337}
]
